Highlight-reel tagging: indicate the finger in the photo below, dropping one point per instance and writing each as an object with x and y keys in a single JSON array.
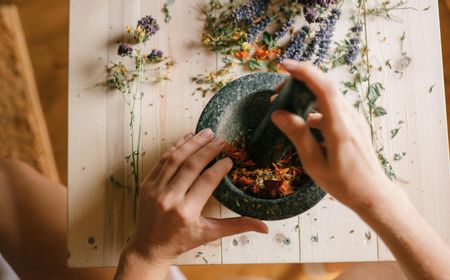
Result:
[
  {"x": 194, "y": 165},
  {"x": 328, "y": 98},
  {"x": 157, "y": 168},
  {"x": 314, "y": 120},
  {"x": 177, "y": 157},
  {"x": 273, "y": 97},
  {"x": 204, "y": 186},
  {"x": 295, "y": 128},
  {"x": 217, "y": 228}
]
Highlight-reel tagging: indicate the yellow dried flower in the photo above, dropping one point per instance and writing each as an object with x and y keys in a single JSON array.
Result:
[
  {"x": 246, "y": 46},
  {"x": 206, "y": 40},
  {"x": 237, "y": 35}
]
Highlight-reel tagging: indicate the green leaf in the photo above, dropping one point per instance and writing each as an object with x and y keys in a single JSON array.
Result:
[
  {"x": 254, "y": 64},
  {"x": 398, "y": 157},
  {"x": 268, "y": 40},
  {"x": 379, "y": 111},
  {"x": 374, "y": 93},
  {"x": 394, "y": 132},
  {"x": 351, "y": 86},
  {"x": 388, "y": 170}
]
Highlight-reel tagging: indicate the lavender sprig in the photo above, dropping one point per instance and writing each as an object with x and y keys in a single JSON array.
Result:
[
  {"x": 256, "y": 29},
  {"x": 309, "y": 50},
  {"x": 284, "y": 28},
  {"x": 295, "y": 48},
  {"x": 250, "y": 11},
  {"x": 353, "y": 44},
  {"x": 325, "y": 34}
]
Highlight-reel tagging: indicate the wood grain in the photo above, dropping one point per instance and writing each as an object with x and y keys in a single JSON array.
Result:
[
  {"x": 24, "y": 133},
  {"x": 329, "y": 231}
]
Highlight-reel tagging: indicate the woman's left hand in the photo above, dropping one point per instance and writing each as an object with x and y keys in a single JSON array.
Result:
[{"x": 171, "y": 199}]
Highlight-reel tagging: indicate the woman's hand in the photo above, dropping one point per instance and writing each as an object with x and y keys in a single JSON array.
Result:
[
  {"x": 346, "y": 167},
  {"x": 171, "y": 199},
  {"x": 345, "y": 164}
]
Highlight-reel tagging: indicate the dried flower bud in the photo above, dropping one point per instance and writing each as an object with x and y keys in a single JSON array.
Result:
[
  {"x": 149, "y": 25},
  {"x": 254, "y": 9},
  {"x": 125, "y": 50},
  {"x": 155, "y": 55}
]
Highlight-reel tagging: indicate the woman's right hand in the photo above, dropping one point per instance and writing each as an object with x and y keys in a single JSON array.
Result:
[{"x": 346, "y": 165}]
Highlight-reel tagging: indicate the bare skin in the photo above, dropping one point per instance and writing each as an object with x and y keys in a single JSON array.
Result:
[
  {"x": 33, "y": 222},
  {"x": 420, "y": 252},
  {"x": 177, "y": 188}
]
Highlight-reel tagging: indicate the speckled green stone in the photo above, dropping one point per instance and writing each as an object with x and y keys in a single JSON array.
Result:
[{"x": 235, "y": 112}]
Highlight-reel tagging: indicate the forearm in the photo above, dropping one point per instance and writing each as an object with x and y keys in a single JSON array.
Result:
[
  {"x": 419, "y": 250},
  {"x": 133, "y": 266}
]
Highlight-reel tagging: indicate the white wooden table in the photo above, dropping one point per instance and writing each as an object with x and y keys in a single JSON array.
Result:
[{"x": 100, "y": 217}]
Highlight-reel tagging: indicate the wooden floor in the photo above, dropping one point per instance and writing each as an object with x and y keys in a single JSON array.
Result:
[{"x": 45, "y": 23}]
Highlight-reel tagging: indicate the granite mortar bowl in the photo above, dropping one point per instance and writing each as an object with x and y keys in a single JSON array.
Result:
[{"x": 234, "y": 113}]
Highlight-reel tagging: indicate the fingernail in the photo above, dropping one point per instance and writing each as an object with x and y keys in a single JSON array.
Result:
[
  {"x": 229, "y": 160},
  {"x": 266, "y": 230},
  {"x": 290, "y": 64},
  {"x": 188, "y": 135},
  {"x": 207, "y": 133},
  {"x": 219, "y": 141}
]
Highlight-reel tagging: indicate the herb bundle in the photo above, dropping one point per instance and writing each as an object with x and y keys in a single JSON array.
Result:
[
  {"x": 147, "y": 66},
  {"x": 260, "y": 34}
]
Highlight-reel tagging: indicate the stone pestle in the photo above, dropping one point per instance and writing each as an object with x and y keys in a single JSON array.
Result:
[{"x": 268, "y": 144}]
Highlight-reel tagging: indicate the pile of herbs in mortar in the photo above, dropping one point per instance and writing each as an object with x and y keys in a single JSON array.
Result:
[{"x": 280, "y": 180}]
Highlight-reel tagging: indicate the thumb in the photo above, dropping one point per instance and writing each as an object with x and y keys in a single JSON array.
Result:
[
  {"x": 225, "y": 227},
  {"x": 296, "y": 129}
]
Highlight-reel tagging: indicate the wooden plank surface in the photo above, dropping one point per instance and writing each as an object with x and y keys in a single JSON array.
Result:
[{"x": 98, "y": 137}]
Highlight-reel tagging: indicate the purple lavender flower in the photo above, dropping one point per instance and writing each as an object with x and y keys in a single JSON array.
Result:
[
  {"x": 155, "y": 55},
  {"x": 309, "y": 50},
  {"x": 284, "y": 28},
  {"x": 311, "y": 14},
  {"x": 325, "y": 34},
  {"x": 125, "y": 50},
  {"x": 255, "y": 8},
  {"x": 353, "y": 44},
  {"x": 149, "y": 24},
  {"x": 295, "y": 48},
  {"x": 313, "y": 3},
  {"x": 256, "y": 29}
]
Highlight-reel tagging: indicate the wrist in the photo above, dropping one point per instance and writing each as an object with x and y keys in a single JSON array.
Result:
[
  {"x": 135, "y": 265},
  {"x": 151, "y": 256},
  {"x": 384, "y": 194},
  {"x": 388, "y": 199}
]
